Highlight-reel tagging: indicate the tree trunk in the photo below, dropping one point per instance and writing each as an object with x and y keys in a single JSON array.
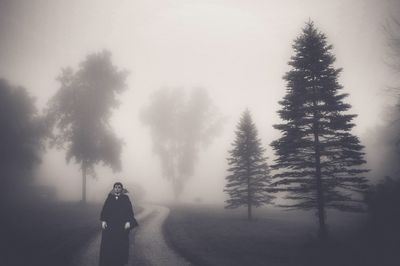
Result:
[
  {"x": 175, "y": 189},
  {"x": 84, "y": 169},
  {"x": 322, "y": 231},
  {"x": 176, "y": 177},
  {"x": 249, "y": 217}
]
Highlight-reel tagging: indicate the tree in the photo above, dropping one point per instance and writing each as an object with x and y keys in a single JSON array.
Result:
[
  {"x": 318, "y": 157},
  {"x": 392, "y": 34},
  {"x": 387, "y": 139},
  {"x": 21, "y": 136},
  {"x": 80, "y": 112},
  {"x": 383, "y": 197},
  {"x": 249, "y": 179},
  {"x": 180, "y": 125}
]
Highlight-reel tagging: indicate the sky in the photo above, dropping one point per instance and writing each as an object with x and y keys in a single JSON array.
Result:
[{"x": 237, "y": 50}]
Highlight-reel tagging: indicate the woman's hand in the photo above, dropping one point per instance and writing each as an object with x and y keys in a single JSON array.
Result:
[
  {"x": 103, "y": 224},
  {"x": 127, "y": 225}
]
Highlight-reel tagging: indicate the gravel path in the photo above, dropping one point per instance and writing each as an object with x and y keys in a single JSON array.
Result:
[{"x": 147, "y": 243}]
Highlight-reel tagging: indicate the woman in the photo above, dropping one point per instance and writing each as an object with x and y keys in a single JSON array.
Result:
[{"x": 117, "y": 219}]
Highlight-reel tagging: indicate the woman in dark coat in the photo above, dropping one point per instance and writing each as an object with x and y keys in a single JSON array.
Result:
[{"x": 117, "y": 220}]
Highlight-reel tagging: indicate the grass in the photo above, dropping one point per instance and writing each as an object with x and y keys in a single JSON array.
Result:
[
  {"x": 47, "y": 233},
  {"x": 210, "y": 235}
]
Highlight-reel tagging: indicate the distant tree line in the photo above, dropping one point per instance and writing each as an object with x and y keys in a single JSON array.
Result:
[
  {"x": 383, "y": 198},
  {"x": 22, "y": 135}
]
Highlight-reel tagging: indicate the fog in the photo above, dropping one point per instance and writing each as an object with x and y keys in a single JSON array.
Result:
[{"x": 237, "y": 51}]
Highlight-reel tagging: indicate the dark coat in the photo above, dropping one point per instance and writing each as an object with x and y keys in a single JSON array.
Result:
[{"x": 114, "y": 247}]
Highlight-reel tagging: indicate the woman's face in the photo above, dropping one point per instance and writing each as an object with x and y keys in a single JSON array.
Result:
[{"x": 117, "y": 189}]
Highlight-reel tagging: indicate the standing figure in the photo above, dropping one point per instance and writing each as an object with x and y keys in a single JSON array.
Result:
[{"x": 117, "y": 219}]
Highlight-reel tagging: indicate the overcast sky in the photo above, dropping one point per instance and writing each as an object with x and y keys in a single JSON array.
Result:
[{"x": 238, "y": 50}]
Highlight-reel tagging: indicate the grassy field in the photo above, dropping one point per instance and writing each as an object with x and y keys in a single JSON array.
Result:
[
  {"x": 46, "y": 234},
  {"x": 209, "y": 235}
]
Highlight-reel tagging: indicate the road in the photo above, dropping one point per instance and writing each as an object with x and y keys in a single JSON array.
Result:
[{"x": 147, "y": 243}]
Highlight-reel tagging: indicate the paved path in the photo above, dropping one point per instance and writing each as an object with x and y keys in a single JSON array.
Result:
[{"x": 147, "y": 243}]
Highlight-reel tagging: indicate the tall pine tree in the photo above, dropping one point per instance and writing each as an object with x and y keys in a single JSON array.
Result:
[
  {"x": 249, "y": 177},
  {"x": 318, "y": 157}
]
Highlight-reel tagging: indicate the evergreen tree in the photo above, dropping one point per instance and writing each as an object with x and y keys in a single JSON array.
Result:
[
  {"x": 318, "y": 157},
  {"x": 249, "y": 179}
]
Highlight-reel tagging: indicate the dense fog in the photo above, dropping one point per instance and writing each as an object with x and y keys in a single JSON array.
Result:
[{"x": 206, "y": 61}]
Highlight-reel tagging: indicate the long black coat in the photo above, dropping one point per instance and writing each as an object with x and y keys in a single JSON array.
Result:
[{"x": 114, "y": 247}]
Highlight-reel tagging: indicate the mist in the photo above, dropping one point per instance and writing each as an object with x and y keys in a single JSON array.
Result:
[
  {"x": 181, "y": 74},
  {"x": 237, "y": 51}
]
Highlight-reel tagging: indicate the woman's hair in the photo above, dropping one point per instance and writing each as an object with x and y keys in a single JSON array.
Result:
[{"x": 118, "y": 183}]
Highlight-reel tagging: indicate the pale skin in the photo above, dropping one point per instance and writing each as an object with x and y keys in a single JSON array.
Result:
[{"x": 117, "y": 191}]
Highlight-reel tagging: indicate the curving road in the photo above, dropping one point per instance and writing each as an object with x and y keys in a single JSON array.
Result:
[{"x": 147, "y": 243}]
